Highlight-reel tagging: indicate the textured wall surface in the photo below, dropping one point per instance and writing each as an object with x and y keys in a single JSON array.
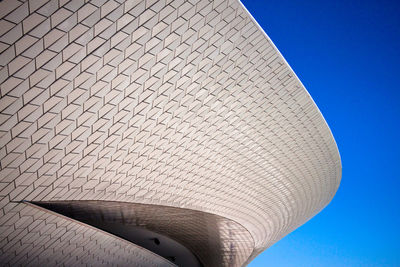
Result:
[
  {"x": 177, "y": 103},
  {"x": 38, "y": 238}
]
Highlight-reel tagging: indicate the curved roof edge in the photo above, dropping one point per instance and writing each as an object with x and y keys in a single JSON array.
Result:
[
  {"x": 297, "y": 78},
  {"x": 256, "y": 253}
]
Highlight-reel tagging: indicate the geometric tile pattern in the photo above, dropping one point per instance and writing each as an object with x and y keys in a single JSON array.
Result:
[
  {"x": 178, "y": 103},
  {"x": 41, "y": 238}
]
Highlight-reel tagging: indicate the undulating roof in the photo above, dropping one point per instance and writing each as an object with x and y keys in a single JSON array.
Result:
[{"x": 183, "y": 105}]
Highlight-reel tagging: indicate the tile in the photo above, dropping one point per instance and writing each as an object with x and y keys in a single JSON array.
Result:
[
  {"x": 85, "y": 38},
  {"x": 24, "y": 43},
  {"x": 18, "y": 63},
  {"x": 35, "y": 4},
  {"x": 145, "y": 16},
  {"x": 40, "y": 30},
  {"x": 74, "y": 5},
  {"x": 18, "y": 14},
  {"x": 77, "y": 31},
  {"x": 7, "y": 101},
  {"x": 32, "y": 21},
  {"x": 52, "y": 37},
  {"x": 39, "y": 75},
  {"x": 44, "y": 57},
  {"x": 59, "y": 16},
  {"x": 116, "y": 13},
  {"x": 5, "y": 26},
  {"x": 60, "y": 44},
  {"x": 123, "y": 21},
  {"x": 109, "y": 32},
  {"x": 49, "y": 8},
  {"x": 86, "y": 11},
  {"x": 78, "y": 56},
  {"x": 12, "y": 35},
  {"x": 19, "y": 89},
  {"x": 94, "y": 44},
  {"x": 68, "y": 23},
  {"x": 70, "y": 50},
  {"x": 101, "y": 26},
  {"x": 26, "y": 70},
  {"x": 7, "y": 55},
  {"x": 108, "y": 7},
  {"x": 53, "y": 63},
  {"x": 31, "y": 94},
  {"x": 34, "y": 49},
  {"x": 92, "y": 19},
  {"x": 8, "y": 6},
  {"x": 3, "y": 47}
]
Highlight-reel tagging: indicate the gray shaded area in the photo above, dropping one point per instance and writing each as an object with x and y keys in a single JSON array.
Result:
[
  {"x": 157, "y": 243},
  {"x": 214, "y": 240},
  {"x": 44, "y": 238}
]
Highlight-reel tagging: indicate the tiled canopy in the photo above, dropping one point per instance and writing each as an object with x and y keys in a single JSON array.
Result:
[{"x": 183, "y": 104}]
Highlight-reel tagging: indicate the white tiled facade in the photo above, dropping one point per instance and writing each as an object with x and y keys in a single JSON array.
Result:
[{"x": 177, "y": 103}]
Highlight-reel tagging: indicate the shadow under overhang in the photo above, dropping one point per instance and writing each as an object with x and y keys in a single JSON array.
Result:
[{"x": 183, "y": 236}]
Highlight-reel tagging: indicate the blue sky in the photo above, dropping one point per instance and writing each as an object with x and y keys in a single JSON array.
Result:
[{"x": 347, "y": 54}]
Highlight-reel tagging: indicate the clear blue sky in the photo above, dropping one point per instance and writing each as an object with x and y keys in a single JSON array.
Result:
[{"x": 347, "y": 54}]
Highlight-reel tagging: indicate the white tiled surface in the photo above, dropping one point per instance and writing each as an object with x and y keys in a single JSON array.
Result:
[
  {"x": 179, "y": 103},
  {"x": 39, "y": 238}
]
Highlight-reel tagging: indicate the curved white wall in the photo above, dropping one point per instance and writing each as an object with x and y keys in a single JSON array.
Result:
[{"x": 178, "y": 103}]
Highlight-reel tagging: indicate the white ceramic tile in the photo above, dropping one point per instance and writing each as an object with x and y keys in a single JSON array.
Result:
[
  {"x": 184, "y": 104},
  {"x": 32, "y": 21}
]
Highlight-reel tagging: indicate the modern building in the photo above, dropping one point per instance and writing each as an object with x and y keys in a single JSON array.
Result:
[{"x": 152, "y": 133}]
